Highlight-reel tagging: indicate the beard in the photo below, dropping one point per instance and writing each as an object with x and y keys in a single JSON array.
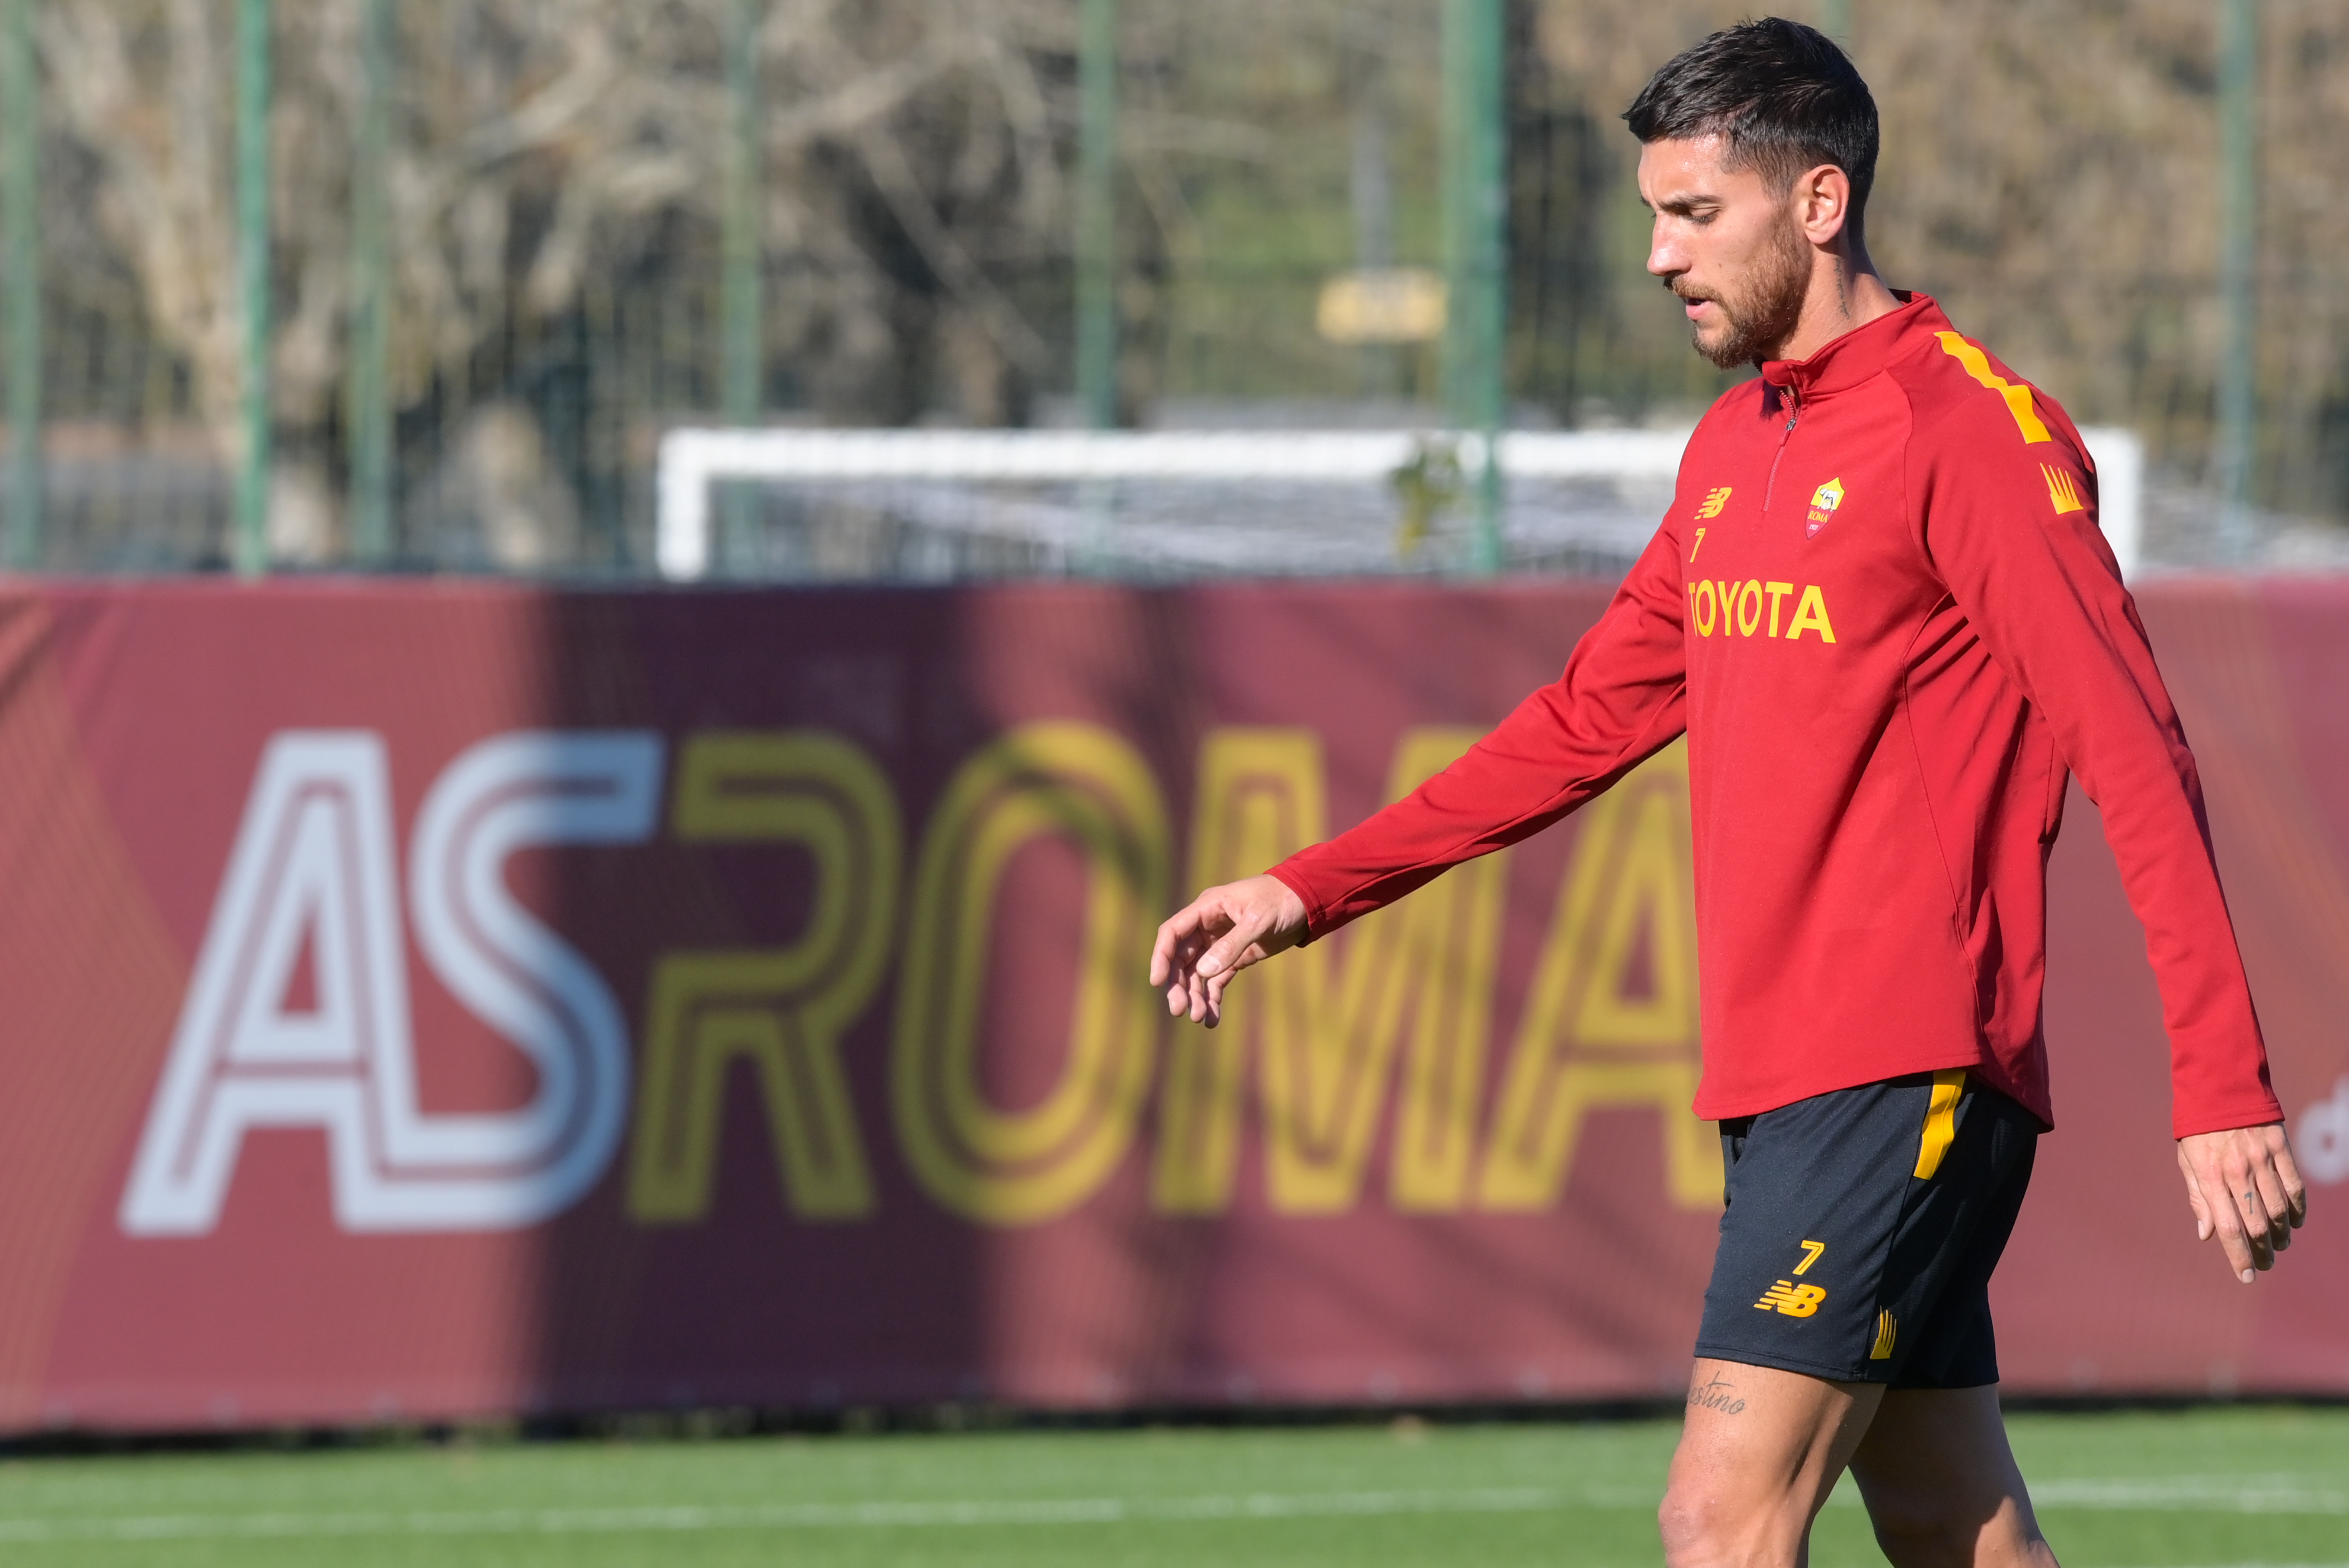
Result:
[{"x": 1763, "y": 311}]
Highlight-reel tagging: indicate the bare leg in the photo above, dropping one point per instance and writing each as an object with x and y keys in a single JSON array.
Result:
[
  {"x": 1941, "y": 1485},
  {"x": 1760, "y": 1452}
]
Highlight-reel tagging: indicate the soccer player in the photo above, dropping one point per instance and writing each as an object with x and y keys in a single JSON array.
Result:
[{"x": 1882, "y": 612}]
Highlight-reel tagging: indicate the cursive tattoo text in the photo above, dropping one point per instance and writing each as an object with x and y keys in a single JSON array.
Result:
[{"x": 1718, "y": 1395}]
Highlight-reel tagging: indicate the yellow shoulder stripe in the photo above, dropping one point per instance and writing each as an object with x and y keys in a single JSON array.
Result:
[{"x": 2018, "y": 398}]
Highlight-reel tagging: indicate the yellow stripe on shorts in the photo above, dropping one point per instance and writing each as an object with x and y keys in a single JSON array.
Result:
[
  {"x": 1888, "y": 1329},
  {"x": 1941, "y": 1121}
]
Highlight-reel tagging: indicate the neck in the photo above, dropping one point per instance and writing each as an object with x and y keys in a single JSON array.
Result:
[{"x": 1845, "y": 293}]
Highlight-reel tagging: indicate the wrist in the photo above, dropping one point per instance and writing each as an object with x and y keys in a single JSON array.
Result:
[{"x": 1291, "y": 913}]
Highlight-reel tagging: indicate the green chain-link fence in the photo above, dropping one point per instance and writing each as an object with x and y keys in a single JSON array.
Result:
[{"x": 511, "y": 242}]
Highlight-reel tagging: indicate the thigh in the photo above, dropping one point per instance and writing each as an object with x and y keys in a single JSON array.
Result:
[
  {"x": 1758, "y": 1456},
  {"x": 1941, "y": 1485}
]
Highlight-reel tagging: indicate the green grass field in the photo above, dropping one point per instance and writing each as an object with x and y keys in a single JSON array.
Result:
[{"x": 2134, "y": 1489}]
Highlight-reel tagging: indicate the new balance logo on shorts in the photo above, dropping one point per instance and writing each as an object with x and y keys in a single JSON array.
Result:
[{"x": 1793, "y": 1299}]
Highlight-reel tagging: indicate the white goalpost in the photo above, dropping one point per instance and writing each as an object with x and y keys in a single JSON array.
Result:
[{"x": 1599, "y": 491}]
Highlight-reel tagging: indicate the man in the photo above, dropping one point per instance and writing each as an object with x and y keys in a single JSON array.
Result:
[{"x": 1882, "y": 613}]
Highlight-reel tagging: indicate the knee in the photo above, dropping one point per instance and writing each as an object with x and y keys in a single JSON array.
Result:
[
  {"x": 1684, "y": 1523},
  {"x": 1700, "y": 1529},
  {"x": 1921, "y": 1541},
  {"x": 1919, "y": 1532}
]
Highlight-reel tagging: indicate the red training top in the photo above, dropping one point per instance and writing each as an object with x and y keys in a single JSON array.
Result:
[{"x": 1883, "y": 613}]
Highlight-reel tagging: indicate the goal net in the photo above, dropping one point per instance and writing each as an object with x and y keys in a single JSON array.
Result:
[{"x": 948, "y": 506}]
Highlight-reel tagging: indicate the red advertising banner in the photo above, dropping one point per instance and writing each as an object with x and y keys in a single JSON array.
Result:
[{"x": 425, "y": 999}]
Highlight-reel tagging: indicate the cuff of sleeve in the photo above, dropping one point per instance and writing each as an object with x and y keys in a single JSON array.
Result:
[
  {"x": 2224, "y": 1118},
  {"x": 1316, "y": 924}
]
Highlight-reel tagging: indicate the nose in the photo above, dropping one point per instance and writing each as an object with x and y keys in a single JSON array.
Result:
[{"x": 1665, "y": 256}]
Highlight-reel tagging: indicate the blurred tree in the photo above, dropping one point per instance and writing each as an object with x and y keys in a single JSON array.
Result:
[
  {"x": 547, "y": 156},
  {"x": 2050, "y": 172},
  {"x": 554, "y": 174}
]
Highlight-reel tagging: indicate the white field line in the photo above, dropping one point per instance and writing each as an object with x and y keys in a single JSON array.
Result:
[
  {"x": 817, "y": 1516},
  {"x": 2243, "y": 1494},
  {"x": 2297, "y": 1494},
  {"x": 2208, "y": 1494}
]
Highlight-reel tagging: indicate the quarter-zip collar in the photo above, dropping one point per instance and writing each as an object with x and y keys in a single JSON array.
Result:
[{"x": 1859, "y": 354}]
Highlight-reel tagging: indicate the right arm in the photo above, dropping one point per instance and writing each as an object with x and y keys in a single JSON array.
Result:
[{"x": 1621, "y": 699}]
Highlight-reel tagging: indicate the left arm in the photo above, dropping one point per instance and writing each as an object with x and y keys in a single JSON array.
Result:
[{"x": 2043, "y": 591}]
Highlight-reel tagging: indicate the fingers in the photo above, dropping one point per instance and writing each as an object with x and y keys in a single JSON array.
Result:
[
  {"x": 1221, "y": 932},
  {"x": 1190, "y": 995},
  {"x": 2281, "y": 1187},
  {"x": 1230, "y": 953},
  {"x": 2274, "y": 1207},
  {"x": 1197, "y": 972},
  {"x": 2246, "y": 1191},
  {"x": 1230, "y": 950},
  {"x": 2271, "y": 1194},
  {"x": 1174, "y": 956},
  {"x": 2282, "y": 1195},
  {"x": 1175, "y": 976},
  {"x": 2234, "y": 1241},
  {"x": 2203, "y": 1223},
  {"x": 1176, "y": 934},
  {"x": 2241, "y": 1217},
  {"x": 2296, "y": 1190},
  {"x": 2216, "y": 1211},
  {"x": 2251, "y": 1213}
]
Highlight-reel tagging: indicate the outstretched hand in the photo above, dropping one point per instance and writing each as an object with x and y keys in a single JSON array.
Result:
[
  {"x": 2246, "y": 1191},
  {"x": 1218, "y": 934}
]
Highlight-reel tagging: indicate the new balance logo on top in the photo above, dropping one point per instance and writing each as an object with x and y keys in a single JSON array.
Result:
[{"x": 1793, "y": 1299}]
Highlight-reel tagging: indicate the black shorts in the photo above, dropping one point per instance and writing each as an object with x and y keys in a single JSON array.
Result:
[{"x": 1861, "y": 1230}]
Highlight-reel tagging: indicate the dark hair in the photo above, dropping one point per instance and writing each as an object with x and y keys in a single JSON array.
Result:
[{"x": 1784, "y": 95}]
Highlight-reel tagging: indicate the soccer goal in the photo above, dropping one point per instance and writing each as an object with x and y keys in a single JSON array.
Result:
[{"x": 1170, "y": 504}]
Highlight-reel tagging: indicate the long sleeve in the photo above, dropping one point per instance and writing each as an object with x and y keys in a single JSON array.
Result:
[
  {"x": 2010, "y": 526},
  {"x": 1620, "y": 699}
]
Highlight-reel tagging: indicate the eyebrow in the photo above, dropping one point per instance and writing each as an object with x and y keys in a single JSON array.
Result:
[{"x": 1682, "y": 205}]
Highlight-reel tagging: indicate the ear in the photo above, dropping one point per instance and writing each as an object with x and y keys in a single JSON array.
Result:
[{"x": 1821, "y": 200}]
